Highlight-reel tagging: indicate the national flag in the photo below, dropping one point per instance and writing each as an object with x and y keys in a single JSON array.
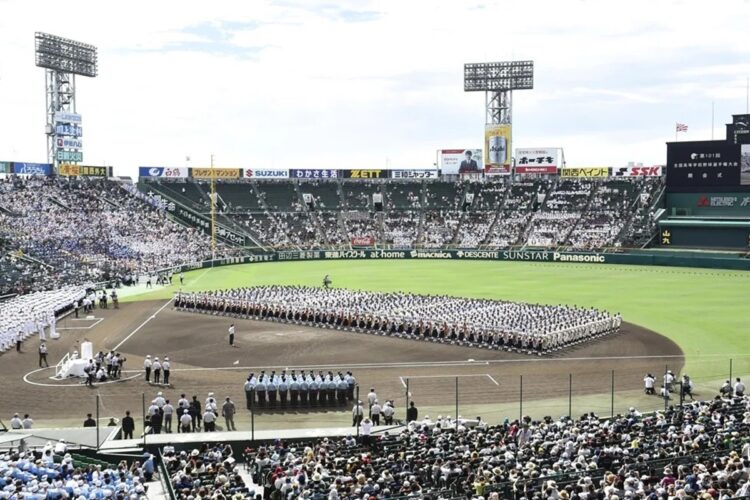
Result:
[{"x": 681, "y": 127}]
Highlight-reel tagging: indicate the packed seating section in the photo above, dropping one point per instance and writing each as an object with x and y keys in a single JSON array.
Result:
[
  {"x": 60, "y": 231},
  {"x": 698, "y": 450}
]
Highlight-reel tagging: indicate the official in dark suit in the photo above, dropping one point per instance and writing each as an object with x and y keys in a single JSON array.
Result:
[
  {"x": 469, "y": 164},
  {"x": 411, "y": 412},
  {"x": 128, "y": 426}
]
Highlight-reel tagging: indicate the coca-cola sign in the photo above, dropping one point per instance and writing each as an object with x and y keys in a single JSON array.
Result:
[{"x": 363, "y": 241}]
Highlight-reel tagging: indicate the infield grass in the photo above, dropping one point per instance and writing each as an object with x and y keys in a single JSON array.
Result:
[{"x": 705, "y": 311}]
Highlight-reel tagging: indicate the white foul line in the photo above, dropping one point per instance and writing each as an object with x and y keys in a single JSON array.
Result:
[
  {"x": 493, "y": 380},
  {"x": 444, "y": 376},
  {"x": 96, "y": 322},
  {"x": 142, "y": 325}
]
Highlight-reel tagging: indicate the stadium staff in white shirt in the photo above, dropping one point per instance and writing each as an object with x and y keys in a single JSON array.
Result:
[
  {"x": 209, "y": 421},
  {"x": 648, "y": 383},
  {"x": 147, "y": 367},
  {"x": 357, "y": 413},
  {"x": 186, "y": 421},
  {"x": 16, "y": 423},
  {"x": 231, "y": 332},
  {"x": 739, "y": 388}
]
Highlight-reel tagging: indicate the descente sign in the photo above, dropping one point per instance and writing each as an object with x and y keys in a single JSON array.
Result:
[
  {"x": 494, "y": 255},
  {"x": 526, "y": 255}
]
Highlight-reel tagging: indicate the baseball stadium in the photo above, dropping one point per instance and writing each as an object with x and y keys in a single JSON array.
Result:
[{"x": 497, "y": 323}]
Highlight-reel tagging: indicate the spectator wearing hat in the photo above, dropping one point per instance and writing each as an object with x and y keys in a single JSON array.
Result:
[
  {"x": 209, "y": 421},
  {"x": 156, "y": 367},
  {"x": 168, "y": 410},
  {"x": 89, "y": 422},
  {"x": 358, "y": 413},
  {"x": 147, "y": 363},
  {"x": 166, "y": 366},
  {"x": 365, "y": 429},
  {"x": 186, "y": 421}
]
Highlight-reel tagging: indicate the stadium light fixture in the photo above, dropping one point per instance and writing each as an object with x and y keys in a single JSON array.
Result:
[
  {"x": 65, "y": 55},
  {"x": 499, "y": 76},
  {"x": 63, "y": 59}
]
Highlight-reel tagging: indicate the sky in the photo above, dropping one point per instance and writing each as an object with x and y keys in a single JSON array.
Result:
[{"x": 373, "y": 84}]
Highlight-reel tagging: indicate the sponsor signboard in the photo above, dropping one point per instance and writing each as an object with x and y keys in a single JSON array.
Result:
[
  {"x": 363, "y": 241},
  {"x": 68, "y": 129},
  {"x": 259, "y": 173},
  {"x": 653, "y": 171},
  {"x": 67, "y": 117},
  {"x": 163, "y": 172},
  {"x": 69, "y": 142},
  {"x": 314, "y": 173},
  {"x": 537, "y": 161},
  {"x": 365, "y": 174},
  {"x": 584, "y": 172},
  {"x": 64, "y": 155},
  {"x": 69, "y": 170},
  {"x": 701, "y": 164},
  {"x": 414, "y": 174},
  {"x": 461, "y": 161},
  {"x": 220, "y": 173},
  {"x": 712, "y": 204},
  {"x": 507, "y": 255},
  {"x": 497, "y": 145},
  {"x": 31, "y": 168},
  {"x": 5, "y": 167},
  {"x": 497, "y": 170}
]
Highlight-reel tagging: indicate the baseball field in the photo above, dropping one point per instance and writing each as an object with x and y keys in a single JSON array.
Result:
[
  {"x": 704, "y": 311},
  {"x": 692, "y": 321}
]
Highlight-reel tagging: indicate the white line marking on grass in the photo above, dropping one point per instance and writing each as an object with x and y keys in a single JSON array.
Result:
[
  {"x": 80, "y": 383},
  {"x": 444, "y": 376},
  {"x": 431, "y": 364},
  {"x": 402, "y": 382},
  {"x": 493, "y": 380},
  {"x": 202, "y": 275},
  {"x": 115, "y": 348}
]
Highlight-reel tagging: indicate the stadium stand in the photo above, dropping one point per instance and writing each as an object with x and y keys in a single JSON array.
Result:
[
  {"x": 46, "y": 474},
  {"x": 208, "y": 472},
  {"x": 90, "y": 231},
  {"x": 493, "y": 213},
  {"x": 102, "y": 230},
  {"x": 693, "y": 451}
]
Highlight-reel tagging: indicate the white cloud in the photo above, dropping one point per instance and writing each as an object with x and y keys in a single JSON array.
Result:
[{"x": 312, "y": 83}]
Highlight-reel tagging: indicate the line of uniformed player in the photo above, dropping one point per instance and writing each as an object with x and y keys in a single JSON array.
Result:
[
  {"x": 299, "y": 389},
  {"x": 262, "y": 303}
]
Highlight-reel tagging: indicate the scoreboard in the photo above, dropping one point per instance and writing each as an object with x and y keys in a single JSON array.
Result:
[{"x": 722, "y": 165}]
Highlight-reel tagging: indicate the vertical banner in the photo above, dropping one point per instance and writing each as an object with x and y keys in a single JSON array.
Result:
[{"x": 497, "y": 147}]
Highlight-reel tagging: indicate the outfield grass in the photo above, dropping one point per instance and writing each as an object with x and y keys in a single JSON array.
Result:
[{"x": 706, "y": 311}]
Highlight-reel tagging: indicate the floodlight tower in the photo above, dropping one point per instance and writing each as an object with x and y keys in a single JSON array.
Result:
[
  {"x": 498, "y": 80},
  {"x": 62, "y": 60}
]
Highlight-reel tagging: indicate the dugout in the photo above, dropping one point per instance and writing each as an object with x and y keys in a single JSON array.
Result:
[{"x": 700, "y": 232}]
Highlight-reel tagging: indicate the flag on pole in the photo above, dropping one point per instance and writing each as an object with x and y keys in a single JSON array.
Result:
[{"x": 681, "y": 127}]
